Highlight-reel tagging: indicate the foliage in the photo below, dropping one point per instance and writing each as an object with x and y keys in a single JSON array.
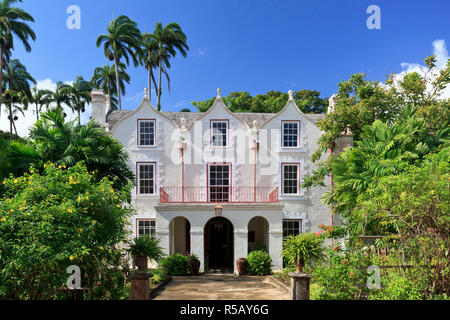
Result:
[
  {"x": 163, "y": 44},
  {"x": 57, "y": 218},
  {"x": 192, "y": 256},
  {"x": 258, "y": 247},
  {"x": 53, "y": 139},
  {"x": 305, "y": 248},
  {"x": 146, "y": 246},
  {"x": 159, "y": 275},
  {"x": 175, "y": 265},
  {"x": 308, "y": 101},
  {"x": 395, "y": 286},
  {"x": 259, "y": 263},
  {"x": 343, "y": 275},
  {"x": 122, "y": 41}
]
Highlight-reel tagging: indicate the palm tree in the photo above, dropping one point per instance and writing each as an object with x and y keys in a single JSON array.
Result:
[
  {"x": 16, "y": 102},
  {"x": 105, "y": 78},
  {"x": 122, "y": 41},
  {"x": 40, "y": 97},
  {"x": 13, "y": 22},
  {"x": 79, "y": 96},
  {"x": 148, "y": 56},
  {"x": 170, "y": 39},
  {"x": 63, "y": 142},
  {"x": 61, "y": 95},
  {"x": 18, "y": 80}
]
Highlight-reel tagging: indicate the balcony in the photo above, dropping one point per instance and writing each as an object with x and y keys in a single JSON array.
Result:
[{"x": 195, "y": 195}]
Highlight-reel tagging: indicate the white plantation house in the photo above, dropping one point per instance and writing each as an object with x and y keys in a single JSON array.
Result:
[{"x": 217, "y": 184}]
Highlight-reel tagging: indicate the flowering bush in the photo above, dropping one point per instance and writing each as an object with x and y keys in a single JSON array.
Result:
[{"x": 58, "y": 218}]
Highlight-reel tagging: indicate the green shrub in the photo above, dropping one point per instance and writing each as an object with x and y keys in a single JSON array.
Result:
[
  {"x": 395, "y": 286},
  {"x": 259, "y": 263},
  {"x": 159, "y": 275},
  {"x": 175, "y": 265},
  {"x": 303, "y": 249},
  {"x": 146, "y": 246}
]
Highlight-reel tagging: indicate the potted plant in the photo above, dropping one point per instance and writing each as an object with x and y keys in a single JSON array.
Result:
[
  {"x": 242, "y": 265},
  {"x": 144, "y": 248},
  {"x": 194, "y": 264},
  {"x": 305, "y": 248}
]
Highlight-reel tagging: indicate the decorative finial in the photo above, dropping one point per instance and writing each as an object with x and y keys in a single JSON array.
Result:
[
  {"x": 146, "y": 93},
  {"x": 255, "y": 124},
  {"x": 291, "y": 95},
  {"x": 183, "y": 123},
  {"x": 219, "y": 91}
]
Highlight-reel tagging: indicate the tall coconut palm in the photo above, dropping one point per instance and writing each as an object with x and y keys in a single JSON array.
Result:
[
  {"x": 13, "y": 22},
  {"x": 105, "y": 78},
  {"x": 79, "y": 96},
  {"x": 122, "y": 41},
  {"x": 40, "y": 98},
  {"x": 18, "y": 80},
  {"x": 148, "y": 56},
  {"x": 61, "y": 95},
  {"x": 171, "y": 39}
]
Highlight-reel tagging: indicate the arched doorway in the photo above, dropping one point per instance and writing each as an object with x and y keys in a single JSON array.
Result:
[
  {"x": 258, "y": 234},
  {"x": 180, "y": 230},
  {"x": 219, "y": 248}
]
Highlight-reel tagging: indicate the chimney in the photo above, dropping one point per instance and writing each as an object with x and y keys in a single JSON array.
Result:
[{"x": 99, "y": 106}]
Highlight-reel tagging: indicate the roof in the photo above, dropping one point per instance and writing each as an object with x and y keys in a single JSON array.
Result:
[{"x": 190, "y": 117}]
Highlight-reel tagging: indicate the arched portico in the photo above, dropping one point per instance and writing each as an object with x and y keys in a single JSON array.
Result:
[
  {"x": 180, "y": 231},
  {"x": 258, "y": 233},
  {"x": 219, "y": 245}
]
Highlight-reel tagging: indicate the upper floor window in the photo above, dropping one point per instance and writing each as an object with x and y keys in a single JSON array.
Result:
[
  {"x": 219, "y": 183},
  {"x": 146, "y": 132},
  {"x": 292, "y": 227},
  {"x": 146, "y": 228},
  {"x": 219, "y": 133},
  {"x": 291, "y": 134},
  {"x": 146, "y": 173},
  {"x": 291, "y": 178}
]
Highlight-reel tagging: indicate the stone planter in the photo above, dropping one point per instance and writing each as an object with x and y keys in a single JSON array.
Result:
[
  {"x": 242, "y": 266},
  {"x": 300, "y": 285},
  {"x": 141, "y": 262},
  {"x": 194, "y": 266},
  {"x": 140, "y": 287}
]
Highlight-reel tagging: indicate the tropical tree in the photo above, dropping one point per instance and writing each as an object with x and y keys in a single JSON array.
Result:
[
  {"x": 170, "y": 39},
  {"x": 105, "y": 78},
  {"x": 61, "y": 95},
  {"x": 18, "y": 80},
  {"x": 79, "y": 96},
  {"x": 40, "y": 98},
  {"x": 13, "y": 21},
  {"x": 60, "y": 142},
  {"x": 148, "y": 56},
  {"x": 122, "y": 41}
]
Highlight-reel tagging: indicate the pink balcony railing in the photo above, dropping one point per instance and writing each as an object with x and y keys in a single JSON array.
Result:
[{"x": 218, "y": 195}]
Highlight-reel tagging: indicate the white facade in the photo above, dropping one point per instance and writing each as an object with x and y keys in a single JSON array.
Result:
[{"x": 184, "y": 163}]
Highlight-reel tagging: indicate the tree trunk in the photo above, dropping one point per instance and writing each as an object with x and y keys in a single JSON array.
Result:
[
  {"x": 79, "y": 117},
  {"x": 149, "y": 84},
  {"x": 1, "y": 78},
  {"x": 119, "y": 99},
  {"x": 159, "y": 87},
  {"x": 37, "y": 112},
  {"x": 10, "y": 121}
]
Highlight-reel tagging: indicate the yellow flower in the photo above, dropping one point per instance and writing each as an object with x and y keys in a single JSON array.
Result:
[
  {"x": 79, "y": 199},
  {"x": 112, "y": 190},
  {"x": 101, "y": 248},
  {"x": 12, "y": 210},
  {"x": 20, "y": 209},
  {"x": 59, "y": 167},
  {"x": 15, "y": 180},
  {"x": 69, "y": 210},
  {"x": 116, "y": 197},
  {"x": 4, "y": 182},
  {"x": 31, "y": 171},
  {"x": 71, "y": 258},
  {"x": 3, "y": 219},
  {"x": 94, "y": 221},
  {"x": 118, "y": 206}
]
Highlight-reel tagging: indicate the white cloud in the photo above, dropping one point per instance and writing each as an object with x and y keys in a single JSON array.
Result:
[
  {"x": 25, "y": 123},
  {"x": 441, "y": 53}
]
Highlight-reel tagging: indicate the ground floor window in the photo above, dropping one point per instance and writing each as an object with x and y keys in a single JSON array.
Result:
[
  {"x": 146, "y": 228},
  {"x": 292, "y": 227}
]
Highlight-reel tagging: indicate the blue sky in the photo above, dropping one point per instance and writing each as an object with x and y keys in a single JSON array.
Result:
[{"x": 245, "y": 45}]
